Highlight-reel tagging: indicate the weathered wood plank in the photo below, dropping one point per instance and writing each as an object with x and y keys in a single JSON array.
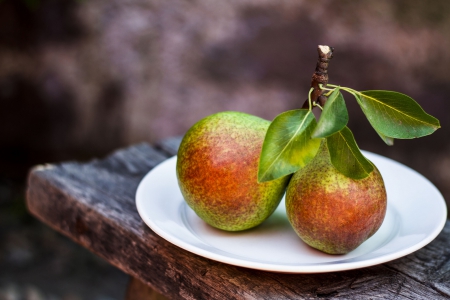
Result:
[{"x": 93, "y": 203}]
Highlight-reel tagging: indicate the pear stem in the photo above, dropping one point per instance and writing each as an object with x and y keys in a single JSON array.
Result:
[
  {"x": 320, "y": 75},
  {"x": 310, "y": 104}
]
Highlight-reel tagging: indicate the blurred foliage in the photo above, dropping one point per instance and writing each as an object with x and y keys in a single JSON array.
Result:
[
  {"x": 421, "y": 13},
  {"x": 32, "y": 4}
]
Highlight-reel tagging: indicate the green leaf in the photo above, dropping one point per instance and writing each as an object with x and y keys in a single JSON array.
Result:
[
  {"x": 334, "y": 116},
  {"x": 388, "y": 140},
  {"x": 288, "y": 145},
  {"x": 396, "y": 115},
  {"x": 346, "y": 156}
]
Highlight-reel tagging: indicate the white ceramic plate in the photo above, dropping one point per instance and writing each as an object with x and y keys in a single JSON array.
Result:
[{"x": 416, "y": 213}]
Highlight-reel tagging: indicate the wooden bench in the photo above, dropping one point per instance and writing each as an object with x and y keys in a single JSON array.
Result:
[{"x": 93, "y": 203}]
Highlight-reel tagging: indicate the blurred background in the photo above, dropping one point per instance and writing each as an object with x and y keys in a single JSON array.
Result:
[{"x": 79, "y": 79}]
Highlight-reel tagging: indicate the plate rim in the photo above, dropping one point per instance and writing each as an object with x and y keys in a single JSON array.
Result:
[{"x": 292, "y": 269}]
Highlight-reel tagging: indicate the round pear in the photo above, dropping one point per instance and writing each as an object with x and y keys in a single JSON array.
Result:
[
  {"x": 217, "y": 169},
  {"x": 331, "y": 212}
]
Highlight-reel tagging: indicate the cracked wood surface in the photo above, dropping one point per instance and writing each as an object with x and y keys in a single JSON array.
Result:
[{"x": 93, "y": 204}]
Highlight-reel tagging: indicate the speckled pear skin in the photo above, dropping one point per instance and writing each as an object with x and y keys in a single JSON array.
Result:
[
  {"x": 217, "y": 168},
  {"x": 331, "y": 212}
]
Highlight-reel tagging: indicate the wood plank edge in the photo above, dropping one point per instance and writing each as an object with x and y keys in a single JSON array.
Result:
[{"x": 76, "y": 231}]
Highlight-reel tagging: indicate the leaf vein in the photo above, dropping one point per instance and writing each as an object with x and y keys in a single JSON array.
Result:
[
  {"x": 287, "y": 144},
  {"x": 395, "y": 109}
]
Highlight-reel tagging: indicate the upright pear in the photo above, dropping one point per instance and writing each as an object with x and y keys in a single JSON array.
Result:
[
  {"x": 331, "y": 212},
  {"x": 217, "y": 169}
]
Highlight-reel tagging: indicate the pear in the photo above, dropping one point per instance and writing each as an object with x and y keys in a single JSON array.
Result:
[
  {"x": 217, "y": 169},
  {"x": 331, "y": 212}
]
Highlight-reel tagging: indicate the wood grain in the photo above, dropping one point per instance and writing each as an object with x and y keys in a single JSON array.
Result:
[
  {"x": 93, "y": 204},
  {"x": 139, "y": 291}
]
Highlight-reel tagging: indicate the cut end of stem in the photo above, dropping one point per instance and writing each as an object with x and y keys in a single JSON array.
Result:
[{"x": 324, "y": 49}]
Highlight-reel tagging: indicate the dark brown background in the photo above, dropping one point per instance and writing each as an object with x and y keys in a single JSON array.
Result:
[{"x": 81, "y": 78}]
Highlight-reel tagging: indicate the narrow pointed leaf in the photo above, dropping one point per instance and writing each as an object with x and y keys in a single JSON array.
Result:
[
  {"x": 388, "y": 140},
  {"x": 396, "y": 115},
  {"x": 334, "y": 116},
  {"x": 346, "y": 156},
  {"x": 288, "y": 145}
]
